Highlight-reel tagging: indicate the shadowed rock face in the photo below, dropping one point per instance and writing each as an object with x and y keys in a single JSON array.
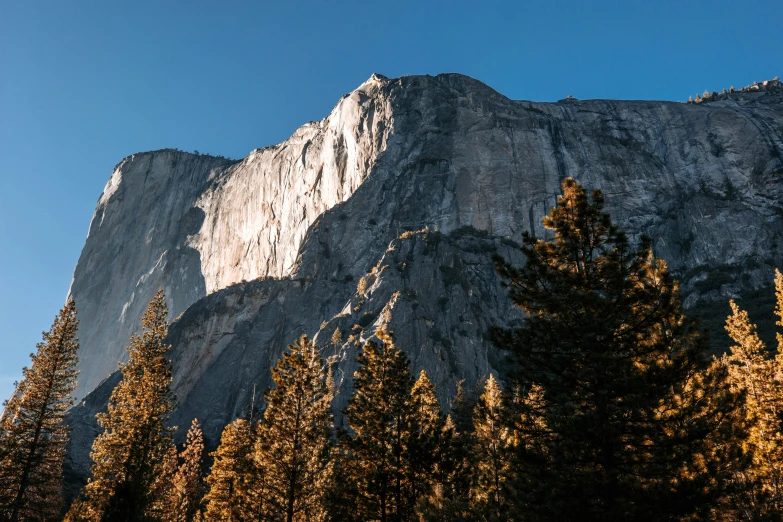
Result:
[{"x": 306, "y": 220}]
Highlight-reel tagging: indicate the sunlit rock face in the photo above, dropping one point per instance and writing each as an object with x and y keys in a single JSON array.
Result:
[
  {"x": 195, "y": 224},
  {"x": 309, "y": 236}
]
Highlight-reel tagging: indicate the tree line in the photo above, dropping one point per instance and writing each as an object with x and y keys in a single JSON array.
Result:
[{"x": 612, "y": 410}]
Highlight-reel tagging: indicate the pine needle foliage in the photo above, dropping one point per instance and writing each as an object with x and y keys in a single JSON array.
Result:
[
  {"x": 638, "y": 424},
  {"x": 294, "y": 440},
  {"x": 32, "y": 434},
  {"x": 378, "y": 418},
  {"x": 423, "y": 441},
  {"x": 187, "y": 484},
  {"x": 488, "y": 494},
  {"x": 128, "y": 455},
  {"x": 759, "y": 373},
  {"x": 233, "y": 478},
  {"x": 162, "y": 489}
]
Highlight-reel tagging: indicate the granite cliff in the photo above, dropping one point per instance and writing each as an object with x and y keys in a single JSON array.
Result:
[{"x": 387, "y": 211}]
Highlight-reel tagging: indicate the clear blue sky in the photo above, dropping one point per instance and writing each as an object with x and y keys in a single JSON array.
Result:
[{"x": 84, "y": 84}]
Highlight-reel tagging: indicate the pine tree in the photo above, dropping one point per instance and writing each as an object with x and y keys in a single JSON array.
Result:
[
  {"x": 162, "y": 489},
  {"x": 378, "y": 418},
  {"x": 754, "y": 371},
  {"x": 32, "y": 434},
  {"x": 187, "y": 485},
  {"x": 491, "y": 452},
  {"x": 423, "y": 441},
  {"x": 294, "y": 442},
  {"x": 638, "y": 423},
  {"x": 453, "y": 473},
  {"x": 233, "y": 478},
  {"x": 128, "y": 455}
]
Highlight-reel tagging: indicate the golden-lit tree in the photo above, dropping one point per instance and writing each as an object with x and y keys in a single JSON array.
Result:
[
  {"x": 423, "y": 442},
  {"x": 129, "y": 454},
  {"x": 32, "y": 434},
  {"x": 162, "y": 489},
  {"x": 187, "y": 485},
  {"x": 294, "y": 440},
  {"x": 234, "y": 482},
  {"x": 755, "y": 371},
  {"x": 378, "y": 414},
  {"x": 491, "y": 447},
  {"x": 639, "y": 423}
]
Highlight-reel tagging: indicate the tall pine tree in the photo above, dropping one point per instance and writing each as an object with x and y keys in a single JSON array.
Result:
[
  {"x": 187, "y": 484},
  {"x": 639, "y": 424},
  {"x": 378, "y": 418},
  {"x": 233, "y": 480},
  {"x": 758, "y": 373},
  {"x": 128, "y": 455},
  {"x": 423, "y": 442},
  {"x": 491, "y": 447},
  {"x": 32, "y": 434},
  {"x": 294, "y": 441}
]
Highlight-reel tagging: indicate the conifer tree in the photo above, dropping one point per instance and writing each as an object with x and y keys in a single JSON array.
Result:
[
  {"x": 638, "y": 423},
  {"x": 294, "y": 444},
  {"x": 233, "y": 480},
  {"x": 456, "y": 458},
  {"x": 378, "y": 417},
  {"x": 491, "y": 453},
  {"x": 423, "y": 441},
  {"x": 128, "y": 455},
  {"x": 163, "y": 487},
  {"x": 32, "y": 434},
  {"x": 187, "y": 485},
  {"x": 756, "y": 372}
]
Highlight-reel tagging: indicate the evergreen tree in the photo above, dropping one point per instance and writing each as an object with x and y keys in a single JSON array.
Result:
[
  {"x": 342, "y": 496},
  {"x": 378, "y": 417},
  {"x": 32, "y": 434},
  {"x": 294, "y": 442},
  {"x": 128, "y": 455},
  {"x": 162, "y": 489},
  {"x": 188, "y": 487},
  {"x": 423, "y": 442},
  {"x": 233, "y": 478},
  {"x": 638, "y": 423},
  {"x": 754, "y": 371},
  {"x": 453, "y": 472},
  {"x": 491, "y": 453}
]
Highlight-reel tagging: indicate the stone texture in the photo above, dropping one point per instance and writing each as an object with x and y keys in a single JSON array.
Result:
[{"x": 252, "y": 254}]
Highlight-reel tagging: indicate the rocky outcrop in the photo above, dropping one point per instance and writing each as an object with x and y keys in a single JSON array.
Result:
[
  {"x": 194, "y": 224},
  {"x": 388, "y": 211}
]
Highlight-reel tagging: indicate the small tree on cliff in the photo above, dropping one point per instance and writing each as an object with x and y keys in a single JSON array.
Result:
[
  {"x": 294, "y": 444},
  {"x": 639, "y": 424},
  {"x": 32, "y": 434},
  {"x": 128, "y": 455}
]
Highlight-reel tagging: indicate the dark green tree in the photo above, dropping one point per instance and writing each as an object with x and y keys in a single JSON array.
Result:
[
  {"x": 631, "y": 419},
  {"x": 129, "y": 454},
  {"x": 32, "y": 434}
]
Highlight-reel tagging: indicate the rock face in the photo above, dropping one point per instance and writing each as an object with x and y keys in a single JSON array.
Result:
[{"x": 388, "y": 212}]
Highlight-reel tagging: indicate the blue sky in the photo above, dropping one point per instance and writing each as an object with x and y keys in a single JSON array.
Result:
[{"x": 84, "y": 84}]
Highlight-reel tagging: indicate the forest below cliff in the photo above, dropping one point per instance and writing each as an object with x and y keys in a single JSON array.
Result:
[{"x": 613, "y": 408}]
